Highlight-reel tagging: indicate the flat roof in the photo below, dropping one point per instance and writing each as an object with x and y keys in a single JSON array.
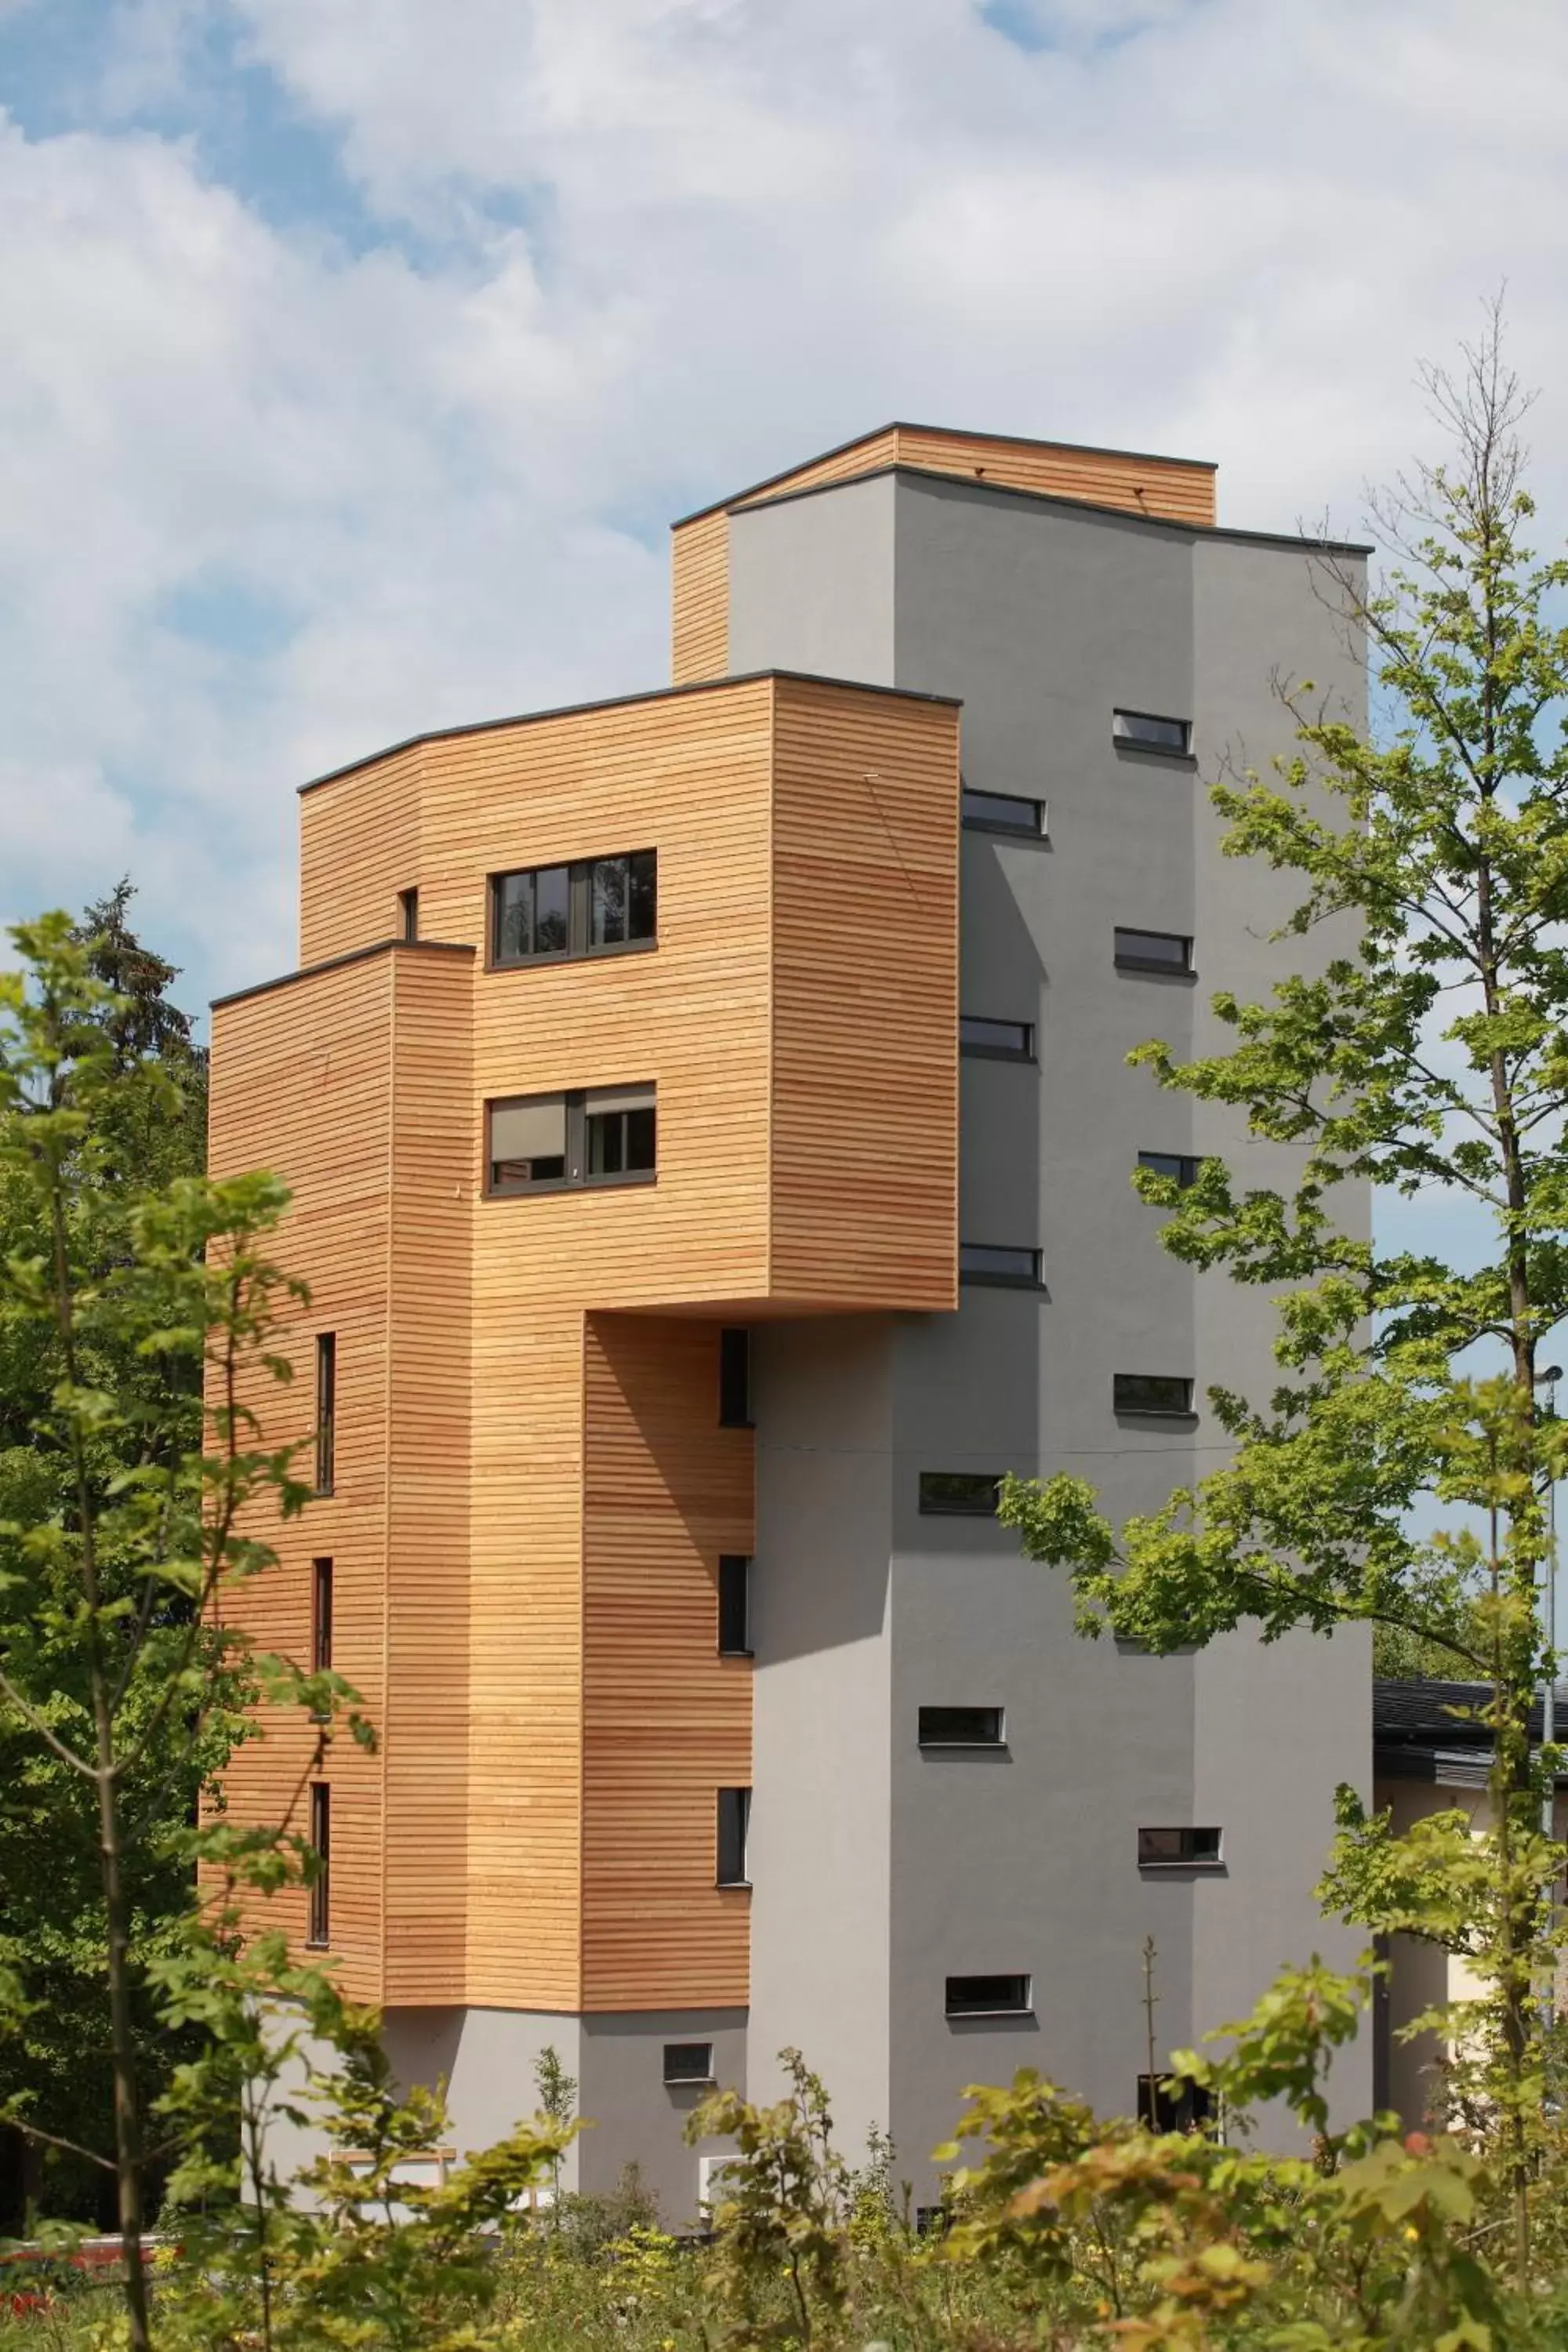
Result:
[
  {"x": 922, "y": 475},
  {"x": 333, "y": 963},
  {"x": 956, "y": 433},
  {"x": 623, "y": 702}
]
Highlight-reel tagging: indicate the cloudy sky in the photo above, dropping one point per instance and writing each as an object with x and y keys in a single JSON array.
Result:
[{"x": 357, "y": 353}]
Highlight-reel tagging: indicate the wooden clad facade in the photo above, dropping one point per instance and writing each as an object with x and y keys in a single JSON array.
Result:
[
  {"x": 534, "y": 1491},
  {"x": 1174, "y": 489}
]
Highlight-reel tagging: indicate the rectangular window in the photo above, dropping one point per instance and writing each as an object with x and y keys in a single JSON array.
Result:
[
  {"x": 689, "y": 2062},
  {"x": 1178, "y": 1849},
  {"x": 998, "y": 1263},
  {"x": 1153, "y": 1393},
  {"x": 959, "y": 1493},
  {"x": 326, "y": 1409},
  {"x": 734, "y": 1379},
  {"x": 408, "y": 915},
  {"x": 321, "y": 1922},
  {"x": 734, "y": 1605},
  {"x": 596, "y": 906},
  {"x": 589, "y": 1135},
  {"x": 1145, "y": 732},
  {"x": 961, "y": 1727},
  {"x": 1003, "y": 812},
  {"x": 988, "y": 1997},
  {"x": 1152, "y": 952},
  {"x": 320, "y": 1619},
  {"x": 734, "y": 1821},
  {"x": 1169, "y": 2106},
  {"x": 1180, "y": 1165},
  {"x": 1001, "y": 1041}
]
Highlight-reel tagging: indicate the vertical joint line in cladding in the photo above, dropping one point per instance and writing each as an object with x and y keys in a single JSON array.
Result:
[
  {"x": 585, "y": 1333},
  {"x": 388, "y": 1455}
]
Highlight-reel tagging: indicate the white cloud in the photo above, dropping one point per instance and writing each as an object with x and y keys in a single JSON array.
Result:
[{"x": 637, "y": 252}]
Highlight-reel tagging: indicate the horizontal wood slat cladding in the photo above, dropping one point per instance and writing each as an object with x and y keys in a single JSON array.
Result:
[
  {"x": 300, "y": 1083},
  {"x": 359, "y": 846},
  {"x": 667, "y": 1722},
  {"x": 1176, "y": 490},
  {"x": 865, "y": 1059}
]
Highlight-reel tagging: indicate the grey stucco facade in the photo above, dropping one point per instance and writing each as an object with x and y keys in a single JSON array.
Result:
[{"x": 881, "y": 1869}]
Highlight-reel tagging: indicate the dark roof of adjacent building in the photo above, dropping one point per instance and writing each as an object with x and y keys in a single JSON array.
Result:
[{"x": 1420, "y": 1728}]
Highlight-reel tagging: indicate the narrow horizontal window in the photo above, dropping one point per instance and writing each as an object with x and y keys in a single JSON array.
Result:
[
  {"x": 1151, "y": 1392},
  {"x": 1004, "y": 1041},
  {"x": 1003, "y": 812},
  {"x": 733, "y": 1829},
  {"x": 689, "y": 2062},
  {"x": 735, "y": 1380},
  {"x": 1181, "y": 1166},
  {"x": 734, "y": 1605},
  {"x": 594, "y": 906},
  {"x": 999, "y": 1263},
  {"x": 1163, "y": 1849},
  {"x": 320, "y": 1930},
  {"x": 961, "y": 1727},
  {"x": 968, "y": 1493},
  {"x": 1147, "y": 732},
  {"x": 1153, "y": 951},
  {"x": 593, "y": 1135},
  {"x": 988, "y": 1996}
]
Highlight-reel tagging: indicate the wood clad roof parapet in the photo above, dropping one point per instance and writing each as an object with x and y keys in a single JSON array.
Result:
[
  {"x": 943, "y": 432},
  {"x": 334, "y": 963},
  {"x": 618, "y": 702},
  {"x": 923, "y": 476}
]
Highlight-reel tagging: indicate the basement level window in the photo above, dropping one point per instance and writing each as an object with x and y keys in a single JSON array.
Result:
[
  {"x": 589, "y": 1135},
  {"x": 1151, "y": 1393},
  {"x": 959, "y": 1493},
  {"x": 1184, "y": 1849},
  {"x": 961, "y": 1727},
  {"x": 999, "y": 1040},
  {"x": 688, "y": 2061},
  {"x": 999, "y": 1263},
  {"x": 1142, "y": 731},
  {"x": 988, "y": 1997},
  {"x": 597, "y": 906},
  {"x": 1182, "y": 1167},
  {"x": 1003, "y": 812},
  {"x": 1165, "y": 952}
]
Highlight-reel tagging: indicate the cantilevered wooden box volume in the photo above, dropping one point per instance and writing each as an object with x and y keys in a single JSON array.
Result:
[{"x": 532, "y": 1489}]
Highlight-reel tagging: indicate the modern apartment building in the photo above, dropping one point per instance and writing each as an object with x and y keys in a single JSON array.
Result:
[{"x": 712, "y": 1140}]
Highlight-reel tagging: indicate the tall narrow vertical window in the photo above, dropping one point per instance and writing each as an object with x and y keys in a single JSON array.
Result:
[
  {"x": 734, "y": 1379},
  {"x": 734, "y": 1605},
  {"x": 322, "y": 1844},
  {"x": 320, "y": 1616},
  {"x": 408, "y": 915},
  {"x": 326, "y": 1409},
  {"x": 734, "y": 1821}
]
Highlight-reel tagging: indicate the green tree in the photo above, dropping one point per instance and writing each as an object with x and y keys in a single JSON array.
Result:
[
  {"x": 149, "y": 1129},
  {"x": 125, "y": 1514},
  {"x": 1433, "y": 1056}
]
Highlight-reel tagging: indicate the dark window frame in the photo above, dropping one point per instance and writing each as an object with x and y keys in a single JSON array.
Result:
[
  {"x": 1126, "y": 1410},
  {"x": 580, "y": 944},
  {"x": 579, "y": 1117},
  {"x": 995, "y": 1049},
  {"x": 975, "y": 2004},
  {"x": 1192, "y": 1855},
  {"x": 733, "y": 1829},
  {"x": 408, "y": 915},
  {"x": 734, "y": 1594},
  {"x": 735, "y": 1377},
  {"x": 930, "y": 1509},
  {"x": 927, "y": 1735},
  {"x": 1160, "y": 751},
  {"x": 994, "y": 1278},
  {"x": 326, "y": 1413},
  {"x": 1129, "y": 959},
  {"x": 682, "y": 2078},
  {"x": 1165, "y": 2105},
  {"x": 322, "y": 1599},
  {"x": 319, "y": 1927},
  {"x": 1185, "y": 1163},
  {"x": 973, "y": 818}
]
